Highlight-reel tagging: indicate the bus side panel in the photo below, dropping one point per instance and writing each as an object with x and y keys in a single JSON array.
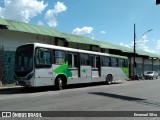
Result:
[
  {"x": 105, "y": 71},
  {"x": 57, "y": 69},
  {"x": 124, "y": 73},
  {"x": 97, "y": 79},
  {"x": 117, "y": 73},
  {"x": 74, "y": 73},
  {"x": 43, "y": 76},
  {"x": 78, "y": 80},
  {"x": 95, "y": 73},
  {"x": 85, "y": 76},
  {"x": 86, "y": 73}
]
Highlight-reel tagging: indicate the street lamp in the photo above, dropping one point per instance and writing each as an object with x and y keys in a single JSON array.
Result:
[{"x": 134, "y": 51}]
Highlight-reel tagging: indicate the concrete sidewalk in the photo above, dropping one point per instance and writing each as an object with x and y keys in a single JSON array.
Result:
[{"x": 9, "y": 86}]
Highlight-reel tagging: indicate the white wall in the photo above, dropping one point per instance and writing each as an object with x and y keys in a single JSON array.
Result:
[
  {"x": 97, "y": 49},
  {"x": 156, "y": 62},
  {"x": 137, "y": 60},
  {"x": 79, "y": 46},
  {"x": 9, "y": 40},
  {"x": 147, "y": 61}
]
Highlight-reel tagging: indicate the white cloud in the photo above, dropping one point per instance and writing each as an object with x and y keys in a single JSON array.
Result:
[
  {"x": 126, "y": 45},
  {"x": 142, "y": 41},
  {"x": 50, "y": 14},
  {"x": 103, "y": 32},
  {"x": 140, "y": 44},
  {"x": 59, "y": 7},
  {"x": 40, "y": 23},
  {"x": 144, "y": 44},
  {"x": 157, "y": 46},
  {"x": 22, "y": 10},
  {"x": 83, "y": 30},
  {"x": 93, "y": 38}
]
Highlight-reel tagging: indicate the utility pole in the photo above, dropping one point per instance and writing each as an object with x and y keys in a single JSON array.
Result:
[
  {"x": 134, "y": 48},
  {"x": 134, "y": 51}
]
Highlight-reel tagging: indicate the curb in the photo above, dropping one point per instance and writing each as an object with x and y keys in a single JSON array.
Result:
[
  {"x": 9, "y": 87},
  {"x": 0, "y": 83}
]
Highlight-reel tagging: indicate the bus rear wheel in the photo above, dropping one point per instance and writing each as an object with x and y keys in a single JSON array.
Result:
[
  {"x": 109, "y": 79},
  {"x": 59, "y": 83}
]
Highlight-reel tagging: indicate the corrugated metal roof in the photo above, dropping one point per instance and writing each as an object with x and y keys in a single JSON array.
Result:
[
  {"x": 154, "y": 55},
  {"x": 106, "y": 45},
  {"x": 30, "y": 28},
  {"x": 3, "y": 21},
  {"x": 47, "y": 31},
  {"x": 144, "y": 53},
  {"x": 124, "y": 49},
  {"x": 79, "y": 39}
]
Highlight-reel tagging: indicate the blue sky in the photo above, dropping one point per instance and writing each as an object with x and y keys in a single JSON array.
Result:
[{"x": 106, "y": 20}]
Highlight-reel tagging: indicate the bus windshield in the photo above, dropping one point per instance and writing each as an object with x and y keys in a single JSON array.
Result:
[{"x": 24, "y": 60}]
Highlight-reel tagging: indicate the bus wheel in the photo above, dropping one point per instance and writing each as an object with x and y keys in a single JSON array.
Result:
[
  {"x": 59, "y": 83},
  {"x": 109, "y": 79}
]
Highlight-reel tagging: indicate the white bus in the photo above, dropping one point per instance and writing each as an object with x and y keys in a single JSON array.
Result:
[{"x": 45, "y": 65}]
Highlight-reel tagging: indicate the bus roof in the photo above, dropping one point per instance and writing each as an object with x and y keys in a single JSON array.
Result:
[
  {"x": 118, "y": 56},
  {"x": 76, "y": 50}
]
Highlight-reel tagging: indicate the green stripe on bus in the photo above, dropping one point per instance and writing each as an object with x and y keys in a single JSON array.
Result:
[
  {"x": 126, "y": 71},
  {"x": 63, "y": 69}
]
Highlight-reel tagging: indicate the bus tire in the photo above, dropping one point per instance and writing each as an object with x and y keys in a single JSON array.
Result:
[
  {"x": 59, "y": 83},
  {"x": 109, "y": 79}
]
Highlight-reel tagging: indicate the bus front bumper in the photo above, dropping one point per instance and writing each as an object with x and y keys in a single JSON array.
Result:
[{"x": 24, "y": 83}]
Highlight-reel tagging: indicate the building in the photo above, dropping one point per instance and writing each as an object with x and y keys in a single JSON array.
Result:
[{"x": 13, "y": 34}]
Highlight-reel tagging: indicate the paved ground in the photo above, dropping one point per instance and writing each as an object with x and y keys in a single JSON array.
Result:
[{"x": 130, "y": 96}]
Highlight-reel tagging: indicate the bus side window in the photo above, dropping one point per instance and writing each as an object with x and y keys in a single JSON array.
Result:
[
  {"x": 59, "y": 57},
  {"x": 123, "y": 63},
  {"x": 73, "y": 60},
  {"x": 120, "y": 62},
  {"x": 114, "y": 62},
  {"x": 85, "y": 59},
  {"x": 76, "y": 60},
  {"x": 97, "y": 61},
  {"x": 92, "y": 61},
  {"x": 70, "y": 60},
  {"x": 43, "y": 58},
  {"x": 105, "y": 61},
  {"x": 110, "y": 63},
  {"x": 126, "y": 63},
  {"x": 117, "y": 62}
]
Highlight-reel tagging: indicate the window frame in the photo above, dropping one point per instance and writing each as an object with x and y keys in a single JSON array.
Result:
[
  {"x": 38, "y": 65},
  {"x": 54, "y": 57},
  {"x": 81, "y": 58},
  {"x": 95, "y": 66},
  {"x": 112, "y": 63},
  {"x": 108, "y": 60},
  {"x": 73, "y": 65},
  {"x": 126, "y": 63}
]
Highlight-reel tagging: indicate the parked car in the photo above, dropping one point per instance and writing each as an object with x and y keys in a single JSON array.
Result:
[{"x": 151, "y": 75}]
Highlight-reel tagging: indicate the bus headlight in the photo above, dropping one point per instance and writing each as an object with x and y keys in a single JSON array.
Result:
[{"x": 30, "y": 76}]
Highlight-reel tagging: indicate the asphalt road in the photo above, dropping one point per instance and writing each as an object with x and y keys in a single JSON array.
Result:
[{"x": 141, "y": 95}]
